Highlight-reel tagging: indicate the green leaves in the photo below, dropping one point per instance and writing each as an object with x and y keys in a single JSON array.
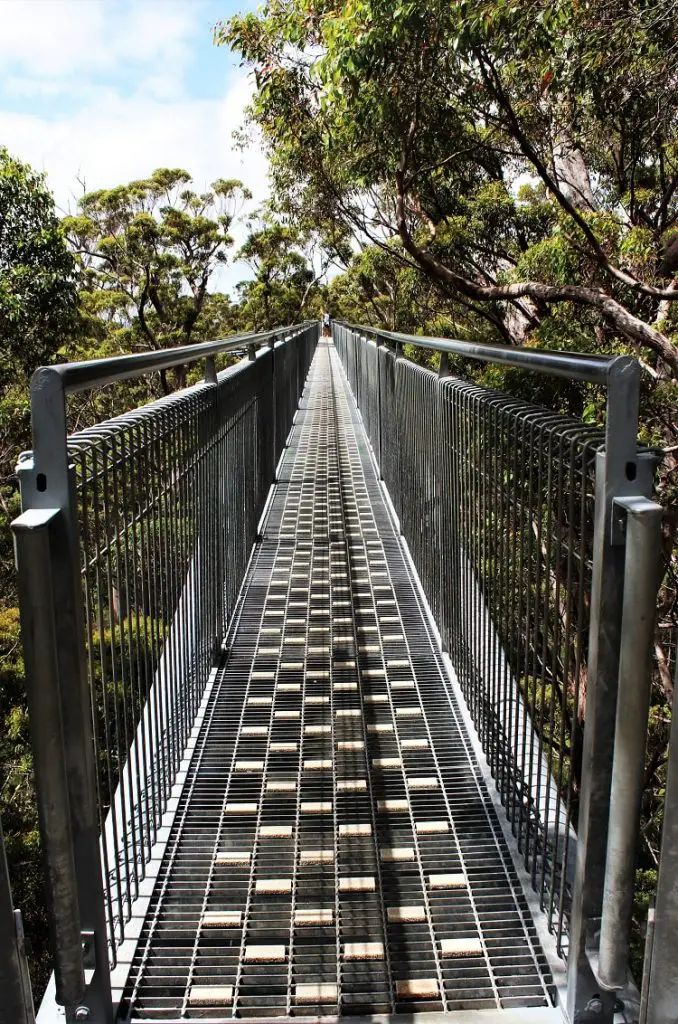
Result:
[
  {"x": 147, "y": 252},
  {"x": 37, "y": 273},
  {"x": 523, "y": 141},
  {"x": 283, "y": 276}
]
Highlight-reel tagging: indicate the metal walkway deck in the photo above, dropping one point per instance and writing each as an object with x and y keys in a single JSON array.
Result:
[{"x": 335, "y": 850}]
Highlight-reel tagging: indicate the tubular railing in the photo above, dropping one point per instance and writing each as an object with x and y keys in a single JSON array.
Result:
[
  {"x": 517, "y": 520},
  {"x": 131, "y": 550}
]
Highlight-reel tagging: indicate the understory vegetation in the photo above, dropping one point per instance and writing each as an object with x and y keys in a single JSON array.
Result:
[{"x": 492, "y": 170}]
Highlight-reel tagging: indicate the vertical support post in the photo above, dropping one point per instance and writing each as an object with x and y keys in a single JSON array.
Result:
[
  {"x": 660, "y": 982},
  {"x": 619, "y": 472},
  {"x": 251, "y": 353},
  {"x": 274, "y": 410},
  {"x": 32, "y": 535},
  {"x": 214, "y": 486},
  {"x": 641, "y": 579},
  {"x": 15, "y": 986},
  {"x": 210, "y": 370},
  {"x": 379, "y": 341},
  {"x": 441, "y": 453},
  {"x": 397, "y": 503},
  {"x": 647, "y": 967},
  {"x": 47, "y": 484}
]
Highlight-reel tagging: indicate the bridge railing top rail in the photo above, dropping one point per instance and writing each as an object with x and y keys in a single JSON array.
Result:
[
  {"x": 536, "y": 539},
  {"x": 584, "y": 366},
  {"x": 91, "y": 373}
]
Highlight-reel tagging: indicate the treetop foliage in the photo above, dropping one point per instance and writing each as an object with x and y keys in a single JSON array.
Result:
[
  {"x": 37, "y": 272},
  {"x": 487, "y": 169},
  {"x": 422, "y": 121},
  {"x": 147, "y": 252}
]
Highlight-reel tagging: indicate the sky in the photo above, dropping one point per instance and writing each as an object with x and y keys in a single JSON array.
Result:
[{"x": 100, "y": 92}]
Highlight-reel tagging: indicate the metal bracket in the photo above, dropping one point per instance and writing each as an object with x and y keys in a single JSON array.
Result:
[
  {"x": 83, "y": 1010},
  {"x": 210, "y": 371},
  {"x": 594, "y": 1011},
  {"x": 89, "y": 952},
  {"x": 622, "y": 506},
  {"x": 641, "y": 485}
]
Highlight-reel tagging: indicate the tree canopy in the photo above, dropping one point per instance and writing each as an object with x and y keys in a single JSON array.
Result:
[
  {"x": 487, "y": 169},
  {"x": 38, "y": 317},
  {"x": 37, "y": 272},
  {"x": 134, "y": 269},
  {"x": 148, "y": 251},
  {"x": 525, "y": 155}
]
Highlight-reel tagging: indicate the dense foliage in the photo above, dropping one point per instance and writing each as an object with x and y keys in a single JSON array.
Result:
[
  {"x": 38, "y": 313},
  {"x": 524, "y": 154}
]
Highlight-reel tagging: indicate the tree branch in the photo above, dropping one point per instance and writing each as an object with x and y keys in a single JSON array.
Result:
[
  {"x": 630, "y": 326},
  {"x": 493, "y": 83}
]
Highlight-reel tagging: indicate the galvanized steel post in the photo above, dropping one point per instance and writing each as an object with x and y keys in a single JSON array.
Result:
[
  {"x": 47, "y": 495},
  {"x": 34, "y": 533},
  {"x": 619, "y": 473},
  {"x": 642, "y": 522},
  {"x": 660, "y": 983}
]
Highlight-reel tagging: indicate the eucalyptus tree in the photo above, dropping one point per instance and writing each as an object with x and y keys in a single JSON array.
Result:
[
  {"x": 38, "y": 318},
  {"x": 526, "y": 155},
  {"x": 148, "y": 251}
]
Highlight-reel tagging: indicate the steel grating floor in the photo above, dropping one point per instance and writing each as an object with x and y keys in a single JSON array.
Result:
[{"x": 335, "y": 850}]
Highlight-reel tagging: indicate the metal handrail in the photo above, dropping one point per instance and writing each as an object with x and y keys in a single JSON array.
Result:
[
  {"x": 91, "y": 373},
  {"x": 459, "y": 462},
  {"x": 130, "y": 551},
  {"x": 596, "y": 369}
]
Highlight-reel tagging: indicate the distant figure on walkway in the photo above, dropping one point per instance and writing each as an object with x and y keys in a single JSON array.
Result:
[{"x": 326, "y": 323}]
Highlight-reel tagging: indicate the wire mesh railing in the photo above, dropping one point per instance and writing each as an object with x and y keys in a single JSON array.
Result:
[
  {"x": 154, "y": 532},
  {"x": 532, "y": 534},
  {"x": 506, "y": 509},
  {"x": 518, "y": 523},
  {"x": 167, "y": 498},
  {"x": 495, "y": 498}
]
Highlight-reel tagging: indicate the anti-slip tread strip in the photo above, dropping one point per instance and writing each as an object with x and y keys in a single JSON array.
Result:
[{"x": 335, "y": 850}]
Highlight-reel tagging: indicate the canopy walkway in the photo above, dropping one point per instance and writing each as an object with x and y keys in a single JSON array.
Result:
[{"x": 307, "y": 646}]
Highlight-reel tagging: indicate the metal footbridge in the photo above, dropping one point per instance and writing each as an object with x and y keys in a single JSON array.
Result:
[{"x": 307, "y": 647}]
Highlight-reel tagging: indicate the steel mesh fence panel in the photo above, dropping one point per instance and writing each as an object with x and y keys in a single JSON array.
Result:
[
  {"x": 169, "y": 497},
  {"x": 495, "y": 500}
]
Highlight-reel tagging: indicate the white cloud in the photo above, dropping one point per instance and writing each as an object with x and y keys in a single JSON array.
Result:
[
  {"x": 64, "y": 38},
  {"x": 111, "y": 140},
  {"x": 23, "y": 85},
  {"x": 106, "y": 129}
]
